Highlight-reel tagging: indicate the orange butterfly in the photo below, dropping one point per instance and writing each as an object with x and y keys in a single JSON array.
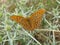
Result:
[{"x": 32, "y": 22}]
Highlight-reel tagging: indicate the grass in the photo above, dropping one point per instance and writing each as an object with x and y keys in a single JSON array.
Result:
[{"x": 12, "y": 33}]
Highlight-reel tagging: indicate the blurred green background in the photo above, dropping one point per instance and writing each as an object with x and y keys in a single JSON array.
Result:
[{"x": 11, "y": 33}]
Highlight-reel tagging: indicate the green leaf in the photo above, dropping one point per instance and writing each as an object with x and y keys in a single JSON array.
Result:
[
  {"x": 0, "y": 38},
  {"x": 1, "y": 14}
]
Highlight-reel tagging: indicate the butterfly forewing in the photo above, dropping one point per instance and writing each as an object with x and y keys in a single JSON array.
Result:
[
  {"x": 23, "y": 21},
  {"x": 36, "y": 18}
]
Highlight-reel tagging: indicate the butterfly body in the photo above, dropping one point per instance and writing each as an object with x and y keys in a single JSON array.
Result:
[{"x": 30, "y": 23}]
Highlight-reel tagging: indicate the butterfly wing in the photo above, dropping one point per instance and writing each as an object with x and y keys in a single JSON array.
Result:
[
  {"x": 23, "y": 21},
  {"x": 36, "y": 18}
]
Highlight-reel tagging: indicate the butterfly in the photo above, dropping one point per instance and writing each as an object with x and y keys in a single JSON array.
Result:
[{"x": 29, "y": 23}]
